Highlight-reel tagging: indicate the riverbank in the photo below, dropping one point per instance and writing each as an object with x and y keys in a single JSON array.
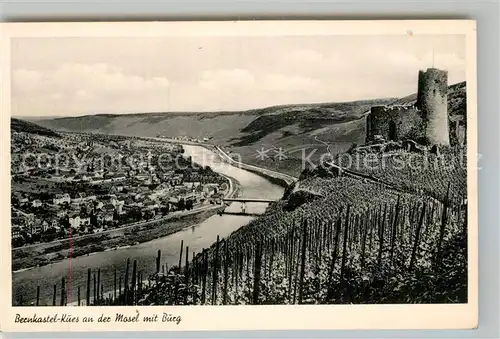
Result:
[
  {"x": 48, "y": 253},
  {"x": 277, "y": 178}
]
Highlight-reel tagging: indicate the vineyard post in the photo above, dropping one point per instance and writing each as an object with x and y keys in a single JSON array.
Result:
[
  {"x": 195, "y": 278},
  {"x": 158, "y": 261},
  {"x": 459, "y": 212},
  {"x": 465, "y": 227},
  {"x": 257, "y": 271},
  {"x": 180, "y": 256},
  {"x": 215, "y": 273},
  {"x": 102, "y": 292},
  {"x": 63, "y": 290},
  {"x": 125, "y": 283},
  {"x": 263, "y": 263},
  {"x": 394, "y": 229},
  {"x": 363, "y": 241},
  {"x": 271, "y": 259},
  {"x": 371, "y": 230},
  {"x": 236, "y": 271},
  {"x": 417, "y": 237},
  {"x": 134, "y": 281},
  {"x": 335, "y": 250},
  {"x": 353, "y": 222},
  {"x": 186, "y": 276},
  {"x": 247, "y": 267},
  {"x": 226, "y": 272},
  {"x": 114, "y": 286},
  {"x": 99, "y": 296},
  {"x": 204, "y": 277},
  {"x": 303, "y": 262},
  {"x": 195, "y": 269},
  {"x": 94, "y": 300},
  {"x": 284, "y": 244},
  {"x": 344, "y": 249},
  {"x": 381, "y": 235},
  {"x": 293, "y": 268},
  {"x": 38, "y": 295},
  {"x": 119, "y": 287},
  {"x": 54, "y": 295},
  {"x": 88, "y": 288},
  {"x": 430, "y": 218},
  {"x": 330, "y": 235},
  {"x": 78, "y": 295},
  {"x": 139, "y": 288},
  {"x": 290, "y": 250},
  {"x": 296, "y": 276},
  {"x": 323, "y": 241},
  {"x": 442, "y": 229}
]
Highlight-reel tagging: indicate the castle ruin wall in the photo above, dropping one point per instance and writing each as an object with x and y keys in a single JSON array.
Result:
[{"x": 394, "y": 123}]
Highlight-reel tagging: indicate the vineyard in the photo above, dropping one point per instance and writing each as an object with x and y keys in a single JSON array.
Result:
[
  {"x": 330, "y": 240},
  {"x": 401, "y": 248},
  {"x": 417, "y": 172}
]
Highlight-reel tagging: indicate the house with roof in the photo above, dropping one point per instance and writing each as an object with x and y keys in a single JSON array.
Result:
[
  {"x": 36, "y": 203},
  {"x": 82, "y": 197},
  {"x": 60, "y": 199},
  {"x": 105, "y": 216},
  {"x": 74, "y": 220}
]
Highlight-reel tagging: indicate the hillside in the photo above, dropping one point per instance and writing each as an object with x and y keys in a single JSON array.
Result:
[
  {"x": 307, "y": 130},
  {"x": 239, "y": 128},
  {"x": 18, "y": 125}
]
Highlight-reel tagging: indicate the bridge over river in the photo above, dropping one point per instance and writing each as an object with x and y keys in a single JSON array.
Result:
[
  {"x": 230, "y": 202},
  {"x": 248, "y": 200}
]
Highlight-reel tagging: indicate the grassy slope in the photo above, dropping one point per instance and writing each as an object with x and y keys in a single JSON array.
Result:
[
  {"x": 287, "y": 126},
  {"x": 19, "y": 125}
]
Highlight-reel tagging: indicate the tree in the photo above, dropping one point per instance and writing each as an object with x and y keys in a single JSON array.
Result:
[
  {"x": 182, "y": 204},
  {"x": 93, "y": 219},
  {"x": 165, "y": 209},
  {"x": 148, "y": 215}
]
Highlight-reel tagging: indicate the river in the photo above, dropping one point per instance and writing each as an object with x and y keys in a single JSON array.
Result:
[{"x": 197, "y": 237}]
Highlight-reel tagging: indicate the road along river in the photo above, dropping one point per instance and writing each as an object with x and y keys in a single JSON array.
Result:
[{"x": 197, "y": 237}]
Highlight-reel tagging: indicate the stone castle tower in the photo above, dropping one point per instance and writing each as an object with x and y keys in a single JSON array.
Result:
[
  {"x": 432, "y": 100},
  {"x": 425, "y": 122}
]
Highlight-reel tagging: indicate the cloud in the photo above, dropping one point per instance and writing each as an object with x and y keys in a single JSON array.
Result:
[
  {"x": 25, "y": 80},
  {"x": 91, "y": 75},
  {"x": 227, "y": 79},
  {"x": 83, "y": 87},
  {"x": 281, "y": 83},
  {"x": 230, "y": 80}
]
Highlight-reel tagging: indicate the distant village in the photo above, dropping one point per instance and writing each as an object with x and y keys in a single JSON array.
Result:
[
  {"x": 93, "y": 191},
  {"x": 188, "y": 138}
]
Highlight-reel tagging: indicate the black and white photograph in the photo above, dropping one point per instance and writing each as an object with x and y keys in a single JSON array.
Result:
[{"x": 240, "y": 169}]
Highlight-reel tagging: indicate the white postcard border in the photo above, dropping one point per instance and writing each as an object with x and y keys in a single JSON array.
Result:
[{"x": 325, "y": 317}]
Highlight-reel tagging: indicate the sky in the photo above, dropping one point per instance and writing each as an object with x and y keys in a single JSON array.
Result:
[{"x": 80, "y": 76}]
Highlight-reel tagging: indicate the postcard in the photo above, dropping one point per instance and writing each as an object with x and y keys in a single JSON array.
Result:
[{"x": 248, "y": 175}]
